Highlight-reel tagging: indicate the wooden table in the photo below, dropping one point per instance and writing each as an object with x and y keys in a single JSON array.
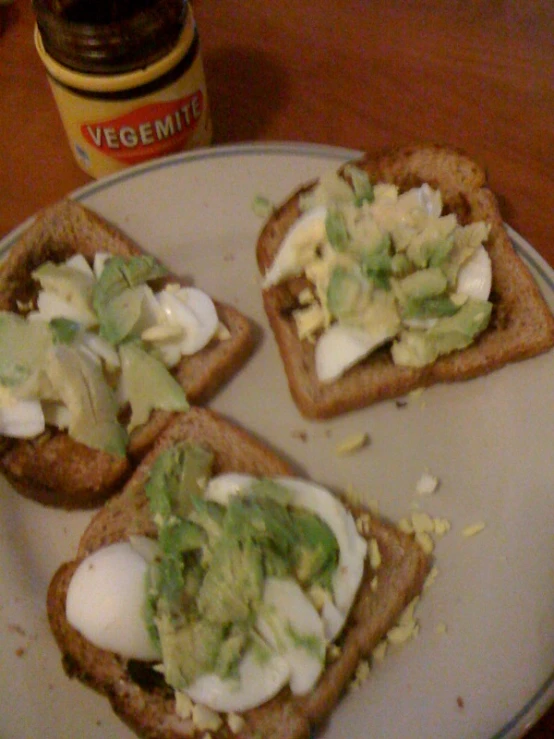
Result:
[{"x": 478, "y": 74}]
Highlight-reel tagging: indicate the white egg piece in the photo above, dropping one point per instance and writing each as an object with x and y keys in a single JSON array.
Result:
[
  {"x": 259, "y": 680},
  {"x": 475, "y": 276},
  {"x": 289, "y": 622},
  {"x": 340, "y": 347},
  {"x": 100, "y": 259},
  {"x": 150, "y": 311},
  {"x": 56, "y": 414},
  {"x": 22, "y": 419},
  {"x": 298, "y": 247},
  {"x": 78, "y": 262},
  {"x": 352, "y": 546},
  {"x": 195, "y": 311},
  {"x": 101, "y": 349},
  {"x": 51, "y": 306},
  {"x": 106, "y": 599},
  {"x": 333, "y": 620},
  {"x": 221, "y": 487}
]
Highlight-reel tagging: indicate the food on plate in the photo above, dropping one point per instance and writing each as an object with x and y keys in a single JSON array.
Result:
[
  {"x": 392, "y": 274},
  {"x": 219, "y": 592},
  {"x": 100, "y": 345}
]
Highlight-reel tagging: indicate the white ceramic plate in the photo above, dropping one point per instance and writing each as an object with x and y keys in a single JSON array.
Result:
[{"x": 490, "y": 441}]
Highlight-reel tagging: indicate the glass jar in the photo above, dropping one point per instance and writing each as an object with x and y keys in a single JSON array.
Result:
[{"x": 127, "y": 77}]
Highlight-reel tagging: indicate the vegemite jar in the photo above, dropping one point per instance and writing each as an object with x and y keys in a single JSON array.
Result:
[{"x": 127, "y": 77}]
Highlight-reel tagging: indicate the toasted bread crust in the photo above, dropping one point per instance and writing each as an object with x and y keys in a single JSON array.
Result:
[
  {"x": 146, "y": 704},
  {"x": 522, "y": 325},
  {"x": 54, "y": 469}
]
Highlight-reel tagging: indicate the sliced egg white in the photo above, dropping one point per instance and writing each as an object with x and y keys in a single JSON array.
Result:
[
  {"x": 352, "y": 546},
  {"x": 22, "y": 419},
  {"x": 78, "y": 262},
  {"x": 333, "y": 619},
  {"x": 195, "y": 311},
  {"x": 221, "y": 487},
  {"x": 298, "y": 247},
  {"x": 475, "y": 276},
  {"x": 312, "y": 497},
  {"x": 100, "y": 259},
  {"x": 56, "y": 414},
  {"x": 105, "y": 601},
  {"x": 341, "y": 347},
  {"x": 289, "y": 622},
  {"x": 50, "y": 305},
  {"x": 261, "y": 675},
  {"x": 101, "y": 349}
]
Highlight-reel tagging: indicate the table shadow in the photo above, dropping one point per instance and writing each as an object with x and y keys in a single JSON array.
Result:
[{"x": 246, "y": 90}]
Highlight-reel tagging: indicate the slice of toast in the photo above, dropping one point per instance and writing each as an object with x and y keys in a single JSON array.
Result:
[
  {"x": 53, "y": 468},
  {"x": 137, "y": 693},
  {"x": 521, "y": 326}
]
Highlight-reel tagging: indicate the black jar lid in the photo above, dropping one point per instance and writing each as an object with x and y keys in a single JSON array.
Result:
[{"x": 109, "y": 36}]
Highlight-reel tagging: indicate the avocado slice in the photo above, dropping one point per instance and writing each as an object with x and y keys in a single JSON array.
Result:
[
  {"x": 80, "y": 385},
  {"x": 316, "y": 556},
  {"x": 116, "y": 304},
  {"x": 177, "y": 476},
  {"x": 148, "y": 384},
  {"x": 347, "y": 293},
  {"x": 24, "y": 346},
  {"x": 416, "y": 348},
  {"x": 72, "y": 285}
]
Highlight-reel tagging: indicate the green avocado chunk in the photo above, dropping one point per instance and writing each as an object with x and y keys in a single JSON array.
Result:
[
  {"x": 206, "y": 588},
  {"x": 23, "y": 349},
  {"x": 347, "y": 292},
  {"x": 416, "y": 348},
  {"x": 69, "y": 283},
  {"x": 79, "y": 383},
  {"x": 148, "y": 384},
  {"x": 116, "y": 304}
]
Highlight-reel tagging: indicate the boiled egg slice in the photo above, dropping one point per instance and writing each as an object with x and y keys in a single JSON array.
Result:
[
  {"x": 317, "y": 499},
  {"x": 22, "y": 419},
  {"x": 261, "y": 675},
  {"x": 56, "y": 414},
  {"x": 221, "y": 487},
  {"x": 298, "y": 247},
  {"x": 195, "y": 312},
  {"x": 341, "y": 347},
  {"x": 101, "y": 348},
  {"x": 100, "y": 259},
  {"x": 105, "y": 601},
  {"x": 291, "y": 625},
  {"x": 352, "y": 546},
  {"x": 50, "y": 305},
  {"x": 475, "y": 276},
  {"x": 78, "y": 262}
]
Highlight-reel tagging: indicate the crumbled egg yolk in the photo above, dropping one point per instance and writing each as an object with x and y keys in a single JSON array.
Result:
[
  {"x": 427, "y": 484},
  {"x": 352, "y": 443},
  {"x": 473, "y": 529},
  {"x": 407, "y": 627},
  {"x": 361, "y": 675},
  {"x": 374, "y": 555},
  {"x": 205, "y": 719},
  {"x": 380, "y": 651},
  {"x": 235, "y": 722}
]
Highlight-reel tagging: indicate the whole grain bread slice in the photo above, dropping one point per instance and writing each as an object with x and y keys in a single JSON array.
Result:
[
  {"x": 137, "y": 693},
  {"x": 53, "y": 468},
  {"x": 521, "y": 326}
]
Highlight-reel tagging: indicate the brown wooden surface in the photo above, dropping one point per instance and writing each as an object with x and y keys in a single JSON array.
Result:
[{"x": 478, "y": 74}]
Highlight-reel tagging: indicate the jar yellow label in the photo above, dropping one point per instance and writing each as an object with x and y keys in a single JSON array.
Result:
[
  {"x": 108, "y": 134},
  {"x": 114, "y": 121},
  {"x": 148, "y": 131}
]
